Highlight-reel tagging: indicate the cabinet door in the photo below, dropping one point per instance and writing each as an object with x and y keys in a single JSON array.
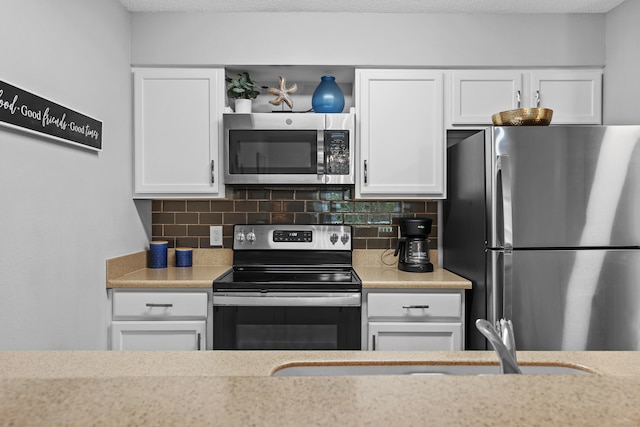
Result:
[
  {"x": 406, "y": 336},
  {"x": 158, "y": 335},
  {"x": 478, "y": 94},
  {"x": 575, "y": 96},
  {"x": 401, "y": 136},
  {"x": 177, "y": 122}
]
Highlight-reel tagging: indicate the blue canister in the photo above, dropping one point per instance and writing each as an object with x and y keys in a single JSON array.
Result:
[
  {"x": 328, "y": 97},
  {"x": 158, "y": 254},
  {"x": 184, "y": 257}
]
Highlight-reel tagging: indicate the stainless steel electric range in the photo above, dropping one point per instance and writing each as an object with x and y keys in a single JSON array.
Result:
[{"x": 292, "y": 287}]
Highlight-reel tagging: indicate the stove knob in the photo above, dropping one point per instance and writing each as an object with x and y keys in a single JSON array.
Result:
[
  {"x": 344, "y": 239},
  {"x": 240, "y": 236},
  {"x": 251, "y": 236},
  {"x": 334, "y": 238}
]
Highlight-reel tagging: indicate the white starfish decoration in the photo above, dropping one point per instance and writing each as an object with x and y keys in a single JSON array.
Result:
[{"x": 282, "y": 94}]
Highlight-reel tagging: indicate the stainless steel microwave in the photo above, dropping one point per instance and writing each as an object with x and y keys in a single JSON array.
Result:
[{"x": 288, "y": 148}]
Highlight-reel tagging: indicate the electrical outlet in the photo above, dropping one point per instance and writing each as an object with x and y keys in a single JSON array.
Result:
[
  {"x": 215, "y": 235},
  {"x": 385, "y": 229}
]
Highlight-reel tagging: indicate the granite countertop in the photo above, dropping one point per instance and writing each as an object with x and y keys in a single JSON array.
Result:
[
  {"x": 376, "y": 268},
  {"x": 235, "y": 388}
]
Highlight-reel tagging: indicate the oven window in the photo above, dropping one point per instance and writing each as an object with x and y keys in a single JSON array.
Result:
[
  {"x": 267, "y": 152},
  {"x": 286, "y": 328}
]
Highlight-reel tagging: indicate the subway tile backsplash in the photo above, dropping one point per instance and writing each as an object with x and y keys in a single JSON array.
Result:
[{"x": 185, "y": 223}]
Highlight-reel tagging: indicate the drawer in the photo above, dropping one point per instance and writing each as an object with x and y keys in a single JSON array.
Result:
[
  {"x": 161, "y": 305},
  {"x": 414, "y": 305}
]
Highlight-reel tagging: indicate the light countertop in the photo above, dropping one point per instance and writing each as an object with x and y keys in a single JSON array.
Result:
[
  {"x": 235, "y": 388},
  {"x": 376, "y": 268}
]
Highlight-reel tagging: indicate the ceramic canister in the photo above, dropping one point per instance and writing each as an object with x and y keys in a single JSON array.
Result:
[
  {"x": 158, "y": 254},
  {"x": 184, "y": 257}
]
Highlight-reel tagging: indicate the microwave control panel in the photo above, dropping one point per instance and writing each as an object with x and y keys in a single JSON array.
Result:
[{"x": 336, "y": 152}]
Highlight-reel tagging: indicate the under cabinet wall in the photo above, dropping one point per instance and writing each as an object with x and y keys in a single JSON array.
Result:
[{"x": 375, "y": 222}]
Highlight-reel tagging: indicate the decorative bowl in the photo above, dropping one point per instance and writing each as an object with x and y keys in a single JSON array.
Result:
[{"x": 523, "y": 117}]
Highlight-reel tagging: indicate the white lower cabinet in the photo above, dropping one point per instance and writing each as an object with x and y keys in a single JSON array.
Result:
[
  {"x": 413, "y": 320},
  {"x": 417, "y": 336},
  {"x": 167, "y": 320},
  {"x": 158, "y": 335}
]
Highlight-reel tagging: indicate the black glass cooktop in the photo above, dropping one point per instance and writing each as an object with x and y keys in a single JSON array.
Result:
[{"x": 288, "y": 278}]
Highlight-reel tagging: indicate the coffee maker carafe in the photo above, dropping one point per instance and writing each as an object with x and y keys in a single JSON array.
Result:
[{"x": 413, "y": 245}]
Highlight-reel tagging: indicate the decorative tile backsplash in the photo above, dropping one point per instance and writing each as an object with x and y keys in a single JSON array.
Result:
[{"x": 185, "y": 223}]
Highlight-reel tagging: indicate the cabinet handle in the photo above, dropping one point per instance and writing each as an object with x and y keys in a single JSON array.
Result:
[
  {"x": 198, "y": 339},
  {"x": 149, "y": 304},
  {"x": 213, "y": 171},
  {"x": 373, "y": 342},
  {"x": 415, "y": 306},
  {"x": 518, "y": 98},
  {"x": 537, "y": 98},
  {"x": 365, "y": 171}
]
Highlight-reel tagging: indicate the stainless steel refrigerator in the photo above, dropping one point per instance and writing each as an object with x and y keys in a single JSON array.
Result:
[{"x": 545, "y": 221}]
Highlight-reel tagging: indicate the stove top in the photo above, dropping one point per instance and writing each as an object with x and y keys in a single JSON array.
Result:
[
  {"x": 290, "y": 276},
  {"x": 291, "y": 257}
]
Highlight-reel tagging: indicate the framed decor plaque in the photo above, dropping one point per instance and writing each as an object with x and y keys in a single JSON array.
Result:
[{"x": 29, "y": 112}]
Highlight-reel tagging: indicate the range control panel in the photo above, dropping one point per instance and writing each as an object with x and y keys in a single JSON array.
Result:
[
  {"x": 292, "y": 236},
  {"x": 281, "y": 236}
]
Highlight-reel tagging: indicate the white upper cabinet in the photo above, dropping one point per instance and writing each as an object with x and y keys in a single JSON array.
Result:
[
  {"x": 477, "y": 94},
  {"x": 575, "y": 96},
  {"x": 177, "y": 132},
  {"x": 400, "y": 134}
]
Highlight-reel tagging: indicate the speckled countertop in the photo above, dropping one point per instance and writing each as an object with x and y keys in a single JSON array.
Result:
[
  {"x": 376, "y": 268},
  {"x": 235, "y": 388}
]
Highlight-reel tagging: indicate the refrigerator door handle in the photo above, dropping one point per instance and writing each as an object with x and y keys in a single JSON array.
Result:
[
  {"x": 503, "y": 171},
  {"x": 500, "y": 287},
  {"x": 507, "y": 290}
]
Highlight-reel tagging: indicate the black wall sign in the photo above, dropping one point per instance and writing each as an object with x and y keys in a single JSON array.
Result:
[{"x": 24, "y": 110}]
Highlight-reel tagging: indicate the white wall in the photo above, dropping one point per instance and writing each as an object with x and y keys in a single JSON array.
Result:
[
  {"x": 65, "y": 210},
  {"x": 621, "y": 75},
  {"x": 448, "y": 40}
]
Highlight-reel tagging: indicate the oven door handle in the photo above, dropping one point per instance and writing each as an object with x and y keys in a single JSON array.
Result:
[{"x": 287, "y": 299}]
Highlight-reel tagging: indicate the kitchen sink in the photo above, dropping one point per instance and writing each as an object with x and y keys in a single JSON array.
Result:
[{"x": 417, "y": 369}]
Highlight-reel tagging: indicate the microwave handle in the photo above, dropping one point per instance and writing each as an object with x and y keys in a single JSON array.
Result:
[{"x": 320, "y": 153}]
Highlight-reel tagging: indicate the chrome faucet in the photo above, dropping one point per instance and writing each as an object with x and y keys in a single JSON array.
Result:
[{"x": 503, "y": 342}]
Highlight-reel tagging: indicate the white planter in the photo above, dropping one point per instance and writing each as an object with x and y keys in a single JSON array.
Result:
[{"x": 243, "y": 106}]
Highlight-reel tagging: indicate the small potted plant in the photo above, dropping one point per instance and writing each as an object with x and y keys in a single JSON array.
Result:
[{"x": 243, "y": 90}]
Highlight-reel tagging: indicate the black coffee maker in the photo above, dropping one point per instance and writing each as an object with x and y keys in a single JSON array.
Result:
[{"x": 413, "y": 245}]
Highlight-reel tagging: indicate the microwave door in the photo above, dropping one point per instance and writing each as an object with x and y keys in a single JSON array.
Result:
[{"x": 275, "y": 157}]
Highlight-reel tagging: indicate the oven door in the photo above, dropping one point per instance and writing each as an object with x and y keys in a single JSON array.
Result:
[{"x": 286, "y": 321}]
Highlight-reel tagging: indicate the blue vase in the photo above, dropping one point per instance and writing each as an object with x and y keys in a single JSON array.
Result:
[{"x": 328, "y": 97}]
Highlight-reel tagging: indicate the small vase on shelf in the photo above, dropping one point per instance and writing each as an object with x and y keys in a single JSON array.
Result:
[
  {"x": 328, "y": 97},
  {"x": 243, "y": 106}
]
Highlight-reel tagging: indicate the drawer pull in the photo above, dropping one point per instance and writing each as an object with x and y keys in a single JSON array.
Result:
[
  {"x": 415, "y": 306},
  {"x": 149, "y": 304}
]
